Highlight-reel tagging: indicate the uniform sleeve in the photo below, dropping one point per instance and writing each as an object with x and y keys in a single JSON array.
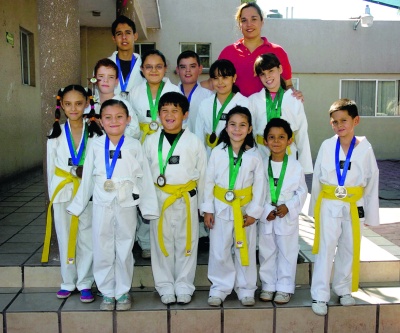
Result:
[
  {"x": 296, "y": 203},
  {"x": 371, "y": 192},
  {"x": 86, "y": 187},
  {"x": 255, "y": 207},
  {"x": 208, "y": 198},
  {"x": 302, "y": 141},
  {"x": 202, "y": 167},
  {"x": 51, "y": 163},
  {"x": 133, "y": 129},
  {"x": 199, "y": 127},
  {"x": 148, "y": 198},
  {"x": 316, "y": 184}
]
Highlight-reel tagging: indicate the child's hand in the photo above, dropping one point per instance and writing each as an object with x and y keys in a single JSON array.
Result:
[
  {"x": 248, "y": 220},
  {"x": 271, "y": 216},
  {"x": 281, "y": 211},
  {"x": 209, "y": 220}
]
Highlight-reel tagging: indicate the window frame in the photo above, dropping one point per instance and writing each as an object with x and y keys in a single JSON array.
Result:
[
  {"x": 140, "y": 47},
  {"x": 205, "y": 69},
  {"x": 27, "y": 55}
]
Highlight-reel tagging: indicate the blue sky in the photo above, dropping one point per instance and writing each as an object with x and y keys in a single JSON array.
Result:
[{"x": 329, "y": 10}]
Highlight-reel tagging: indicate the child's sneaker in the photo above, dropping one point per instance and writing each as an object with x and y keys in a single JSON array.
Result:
[
  {"x": 146, "y": 254},
  {"x": 62, "y": 293},
  {"x": 107, "y": 304},
  {"x": 86, "y": 296},
  {"x": 214, "y": 301},
  {"x": 347, "y": 300},
  {"x": 282, "y": 298},
  {"x": 266, "y": 296},
  {"x": 124, "y": 302},
  {"x": 184, "y": 299},
  {"x": 319, "y": 307},
  {"x": 248, "y": 301},
  {"x": 168, "y": 299}
]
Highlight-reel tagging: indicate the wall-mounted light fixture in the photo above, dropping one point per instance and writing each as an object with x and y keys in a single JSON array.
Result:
[
  {"x": 96, "y": 13},
  {"x": 366, "y": 19}
]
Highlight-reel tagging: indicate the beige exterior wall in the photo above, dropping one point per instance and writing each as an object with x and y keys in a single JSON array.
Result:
[{"x": 20, "y": 114}]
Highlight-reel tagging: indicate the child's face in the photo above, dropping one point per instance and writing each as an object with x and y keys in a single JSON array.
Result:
[
  {"x": 189, "y": 70},
  {"x": 172, "y": 117},
  {"x": 343, "y": 124},
  {"x": 124, "y": 37},
  {"x": 107, "y": 79},
  {"x": 223, "y": 84},
  {"x": 271, "y": 78},
  {"x": 74, "y": 104},
  {"x": 154, "y": 69},
  {"x": 114, "y": 120},
  {"x": 277, "y": 140},
  {"x": 238, "y": 127}
]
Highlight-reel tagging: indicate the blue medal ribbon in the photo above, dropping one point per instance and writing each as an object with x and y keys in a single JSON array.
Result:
[
  {"x": 342, "y": 177},
  {"x": 191, "y": 91},
  {"x": 124, "y": 83},
  {"x": 76, "y": 158},
  {"x": 110, "y": 167}
]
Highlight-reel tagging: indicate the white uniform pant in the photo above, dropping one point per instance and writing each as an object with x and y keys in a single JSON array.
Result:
[
  {"x": 143, "y": 232},
  {"x": 225, "y": 270},
  {"x": 335, "y": 231},
  {"x": 278, "y": 261},
  {"x": 175, "y": 274},
  {"x": 114, "y": 229},
  {"x": 80, "y": 274}
]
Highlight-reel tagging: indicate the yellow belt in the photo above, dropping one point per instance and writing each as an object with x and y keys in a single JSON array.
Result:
[
  {"x": 353, "y": 195},
  {"x": 211, "y": 145},
  {"x": 242, "y": 197},
  {"x": 260, "y": 141},
  {"x": 145, "y": 128},
  {"x": 177, "y": 192},
  {"x": 73, "y": 232}
]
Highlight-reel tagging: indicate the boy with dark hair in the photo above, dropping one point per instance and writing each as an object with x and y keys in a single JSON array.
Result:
[
  {"x": 177, "y": 160},
  {"x": 344, "y": 196},
  {"x": 124, "y": 36}
]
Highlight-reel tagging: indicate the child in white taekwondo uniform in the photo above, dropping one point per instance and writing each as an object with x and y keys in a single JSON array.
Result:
[
  {"x": 274, "y": 102},
  {"x": 118, "y": 176},
  {"x": 66, "y": 151},
  {"x": 213, "y": 111},
  {"x": 145, "y": 97},
  {"x": 279, "y": 224},
  {"x": 344, "y": 196},
  {"x": 189, "y": 68},
  {"x": 234, "y": 196},
  {"x": 124, "y": 36},
  {"x": 106, "y": 75},
  {"x": 178, "y": 163}
]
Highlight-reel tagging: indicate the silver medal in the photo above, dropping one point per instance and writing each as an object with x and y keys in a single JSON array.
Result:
[
  {"x": 124, "y": 94},
  {"x": 109, "y": 185},
  {"x": 161, "y": 180},
  {"x": 340, "y": 192},
  {"x": 229, "y": 196},
  {"x": 72, "y": 171},
  {"x": 154, "y": 126}
]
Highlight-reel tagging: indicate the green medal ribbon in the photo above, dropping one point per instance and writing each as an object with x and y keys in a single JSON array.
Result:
[
  {"x": 154, "y": 106},
  {"x": 276, "y": 191},
  {"x": 71, "y": 144},
  {"x": 217, "y": 117},
  {"x": 233, "y": 167},
  {"x": 171, "y": 150},
  {"x": 274, "y": 106}
]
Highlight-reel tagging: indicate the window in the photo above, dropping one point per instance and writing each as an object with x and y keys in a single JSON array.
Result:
[
  {"x": 141, "y": 48},
  {"x": 203, "y": 50},
  {"x": 27, "y": 57},
  {"x": 296, "y": 83},
  {"x": 374, "y": 98}
]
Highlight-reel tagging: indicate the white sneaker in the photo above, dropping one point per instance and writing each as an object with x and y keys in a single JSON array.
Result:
[
  {"x": 168, "y": 299},
  {"x": 214, "y": 301},
  {"x": 107, "y": 304},
  {"x": 319, "y": 307},
  {"x": 124, "y": 302},
  {"x": 281, "y": 297},
  {"x": 184, "y": 299},
  {"x": 146, "y": 254},
  {"x": 248, "y": 301},
  {"x": 347, "y": 300},
  {"x": 266, "y": 296}
]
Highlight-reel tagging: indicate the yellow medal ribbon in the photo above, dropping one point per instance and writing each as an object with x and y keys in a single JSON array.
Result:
[
  {"x": 353, "y": 195},
  {"x": 242, "y": 197},
  {"x": 177, "y": 192},
  {"x": 211, "y": 145},
  {"x": 74, "y": 219},
  {"x": 145, "y": 128},
  {"x": 260, "y": 141}
]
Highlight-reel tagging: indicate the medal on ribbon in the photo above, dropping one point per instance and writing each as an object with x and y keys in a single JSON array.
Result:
[
  {"x": 154, "y": 106},
  {"x": 275, "y": 191},
  {"x": 273, "y": 107},
  {"x": 233, "y": 172},
  {"x": 191, "y": 91},
  {"x": 109, "y": 185},
  {"x": 77, "y": 158},
  {"x": 341, "y": 191},
  {"x": 124, "y": 82},
  {"x": 217, "y": 116}
]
